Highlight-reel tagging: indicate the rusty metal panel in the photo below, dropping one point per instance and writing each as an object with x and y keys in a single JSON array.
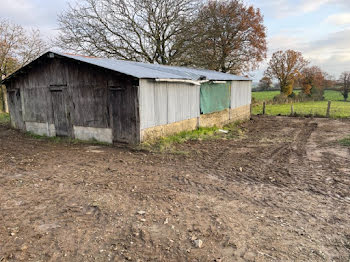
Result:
[{"x": 163, "y": 103}]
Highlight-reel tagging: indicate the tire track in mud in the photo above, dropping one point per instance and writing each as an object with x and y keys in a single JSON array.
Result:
[
  {"x": 287, "y": 161},
  {"x": 218, "y": 174}
]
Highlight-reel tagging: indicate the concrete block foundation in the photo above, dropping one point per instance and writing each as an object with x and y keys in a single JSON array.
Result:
[
  {"x": 104, "y": 135},
  {"x": 41, "y": 129}
]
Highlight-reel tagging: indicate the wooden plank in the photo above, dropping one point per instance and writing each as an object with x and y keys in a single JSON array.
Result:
[
  {"x": 123, "y": 108},
  {"x": 60, "y": 113}
]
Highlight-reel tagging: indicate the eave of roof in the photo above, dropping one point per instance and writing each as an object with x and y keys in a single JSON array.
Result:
[{"x": 142, "y": 70}]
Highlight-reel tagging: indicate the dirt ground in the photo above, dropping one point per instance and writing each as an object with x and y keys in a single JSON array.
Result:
[{"x": 279, "y": 193}]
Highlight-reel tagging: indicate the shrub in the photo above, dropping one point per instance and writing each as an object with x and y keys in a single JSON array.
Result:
[{"x": 281, "y": 99}]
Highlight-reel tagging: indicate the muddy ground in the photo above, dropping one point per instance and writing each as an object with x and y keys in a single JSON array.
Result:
[{"x": 279, "y": 193}]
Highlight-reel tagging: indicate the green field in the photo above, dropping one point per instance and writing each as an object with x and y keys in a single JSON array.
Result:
[
  {"x": 269, "y": 95},
  {"x": 318, "y": 108},
  {"x": 339, "y": 108}
]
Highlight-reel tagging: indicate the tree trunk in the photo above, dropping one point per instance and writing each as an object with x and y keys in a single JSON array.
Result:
[{"x": 3, "y": 98}]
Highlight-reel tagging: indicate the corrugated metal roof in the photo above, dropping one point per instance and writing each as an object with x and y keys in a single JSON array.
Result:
[
  {"x": 152, "y": 71},
  {"x": 144, "y": 70}
]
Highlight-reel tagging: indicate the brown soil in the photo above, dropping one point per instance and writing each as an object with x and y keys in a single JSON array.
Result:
[{"x": 280, "y": 193}]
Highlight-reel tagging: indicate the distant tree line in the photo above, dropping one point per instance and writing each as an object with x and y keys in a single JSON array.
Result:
[{"x": 292, "y": 70}]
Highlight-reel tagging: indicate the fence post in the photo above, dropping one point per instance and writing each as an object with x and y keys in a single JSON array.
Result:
[
  {"x": 328, "y": 109},
  {"x": 292, "y": 110},
  {"x": 264, "y": 108}
]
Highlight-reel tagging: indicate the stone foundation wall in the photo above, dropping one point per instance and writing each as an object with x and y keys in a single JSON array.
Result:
[
  {"x": 169, "y": 129},
  {"x": 240, "y": 113},
  {"x": 218, "y": 119},
  {"x": 215, "y": 119}
]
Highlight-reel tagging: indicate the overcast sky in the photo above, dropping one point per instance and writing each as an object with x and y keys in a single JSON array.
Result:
[{"x": 320, "y": 29}]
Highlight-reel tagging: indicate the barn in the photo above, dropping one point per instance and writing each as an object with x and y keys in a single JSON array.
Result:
[{"x": 109, "y": 100}]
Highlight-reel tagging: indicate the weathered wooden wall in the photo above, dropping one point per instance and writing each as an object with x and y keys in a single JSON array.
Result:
[
  {"x": 15, "y": 108},
  {"x": 85, "y": 91}
]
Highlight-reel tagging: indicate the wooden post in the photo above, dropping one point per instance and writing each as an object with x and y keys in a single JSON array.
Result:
[
  {"x": 264, "y": 108},
  {"x": 328, "y": 109},
  {"x": 292, "y": 110}
]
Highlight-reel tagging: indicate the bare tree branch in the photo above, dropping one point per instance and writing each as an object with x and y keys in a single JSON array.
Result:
[
  {"x": 140, "y": 30},
  {"x": 18, "y": 47}
]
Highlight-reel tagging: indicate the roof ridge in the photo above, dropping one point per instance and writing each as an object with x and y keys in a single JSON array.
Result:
[{"x": 141, "y": 69}]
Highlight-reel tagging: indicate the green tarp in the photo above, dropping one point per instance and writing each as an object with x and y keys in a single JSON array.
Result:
[{"x": 215, "y": 97}]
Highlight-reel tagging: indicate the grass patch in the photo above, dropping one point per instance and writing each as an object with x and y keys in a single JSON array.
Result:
[
  {"x": 169, "y": 143},
  {"x": 332, "y": 95},
  {"x": 267, "y": 95},
  {"x": 4, "y": 118},
  {"x": 68, "y": 140},
  {"x": 345, "y": 141},
  {"x": 264, "y": 95},
  {"x": 329, "y": 95},
  {"x": 311, "y": 108}
]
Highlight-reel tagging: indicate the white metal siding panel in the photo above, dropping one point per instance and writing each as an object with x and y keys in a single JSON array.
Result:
[
  {"x": 194, "y": 102},
  {"x": 240, "y": 93},
  {"x": 160, "y": 104},
  {"x": 234, "y": 91},
  {"x": 146, "y": 103},
  {"x": 164, "y": 103},
  {"x": 249, "y": 83},
  {"x": 172, "y": 104}
]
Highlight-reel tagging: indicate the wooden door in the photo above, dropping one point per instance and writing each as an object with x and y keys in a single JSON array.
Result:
[
  {"x": 123, "y": 105},
  {"x": 59, "y": 110},
  {"x": 15, "y": 107}
]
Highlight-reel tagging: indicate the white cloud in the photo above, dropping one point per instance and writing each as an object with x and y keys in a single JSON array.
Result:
[
  {"x": 342, "y": 3},
  {"x": 17, "y": 9},
  {"x": 287, "y": 8},
  {"x": 342, "y": 19},
  {"x": 34, "y": 13},
  {"x": 311, "y": 5},
  {"x": 331, "y": 53}
]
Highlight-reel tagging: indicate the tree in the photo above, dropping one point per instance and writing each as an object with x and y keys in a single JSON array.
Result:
[
  {"x": 264, "y": 83},
  {"x": 17, "y": 47},
  {"x": 329, "y": 81},
  {"x": 286, "y": 68},
  {"x": 139, "y": 30},
  {"x": 344, "y": 82},
  {"x": 312, "y": 80},
  {"x": 225, "y": 36}
]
